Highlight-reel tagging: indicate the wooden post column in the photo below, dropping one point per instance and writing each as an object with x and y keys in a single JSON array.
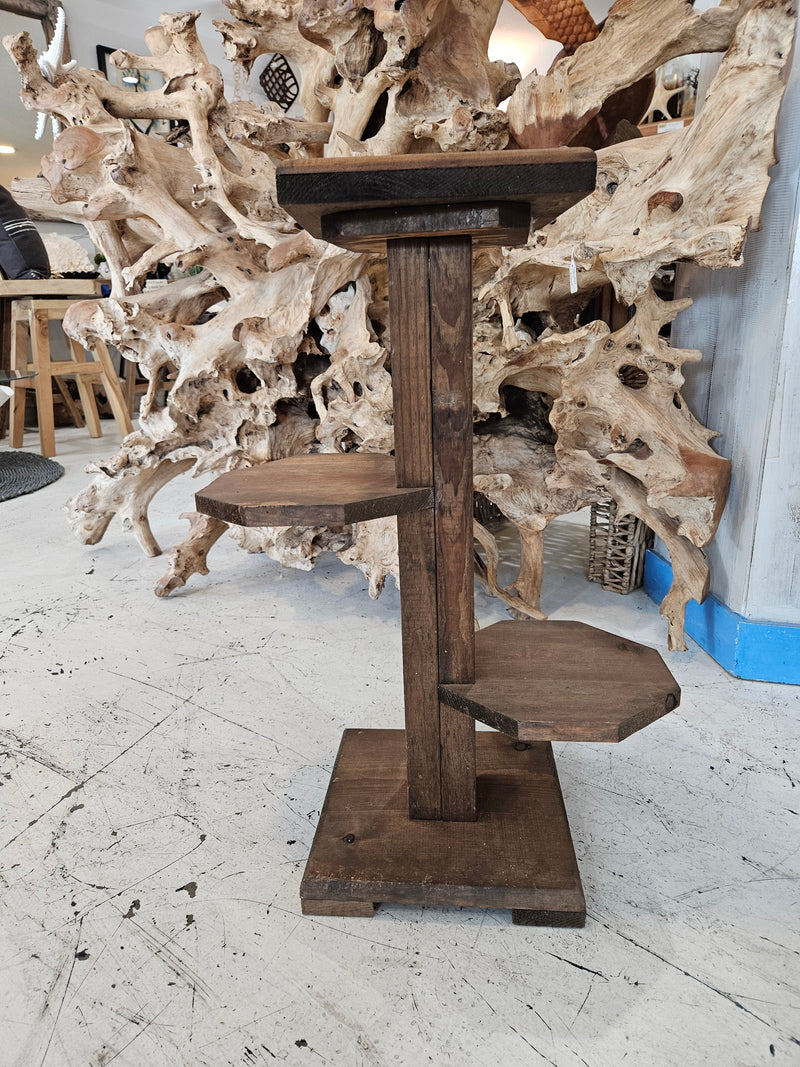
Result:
[{"x": 430, "y": 321}]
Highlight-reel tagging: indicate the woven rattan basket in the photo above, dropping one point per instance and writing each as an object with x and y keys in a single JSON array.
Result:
[{"x": 617, "y": 548}]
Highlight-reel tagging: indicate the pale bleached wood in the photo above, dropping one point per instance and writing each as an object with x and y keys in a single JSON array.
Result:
[
  {"x": 281, "y": 344},
  {"x": 637, "y": 37}
]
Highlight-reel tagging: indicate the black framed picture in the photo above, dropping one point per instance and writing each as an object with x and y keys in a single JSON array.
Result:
[{"x": 132, "y": 80}]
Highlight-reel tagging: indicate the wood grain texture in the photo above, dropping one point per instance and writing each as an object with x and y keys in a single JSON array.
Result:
[
  {"x": 522, "y": 917},
  {"x": 549, "y": 181},
  {"x": 563, "y": 681},
  {"x": 506, "y": 223},
  {"x": 41, "y": 363},
  {"x": 410, "y": 327},
  {"x": 354, "y": 909},
  {"x": 326, "y": 489},
  {"x": 430, "y": 308},
  {"x": 517, "y": 855},
  {"x": 451, "y": 387},
  {"x": 450, "y": 261},
  {"x": 48, "y": 287},
  {"x": 30, "y": 319},
  {"x": 35, "y": 9},
  {"x": 457, "y": 765},
  {"x": 417, "y": 556},
  {"x": 409, "y": 311}
]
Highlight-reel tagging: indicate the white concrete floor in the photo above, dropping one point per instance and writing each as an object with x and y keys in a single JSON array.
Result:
[{"x": 163, "y": 764}]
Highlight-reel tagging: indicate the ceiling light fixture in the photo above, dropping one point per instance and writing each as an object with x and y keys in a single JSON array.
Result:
[{"x": 7, "y": 150}]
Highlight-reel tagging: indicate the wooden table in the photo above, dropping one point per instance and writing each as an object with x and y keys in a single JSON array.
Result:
[
  {"x": 435, "y": 814},
  {"x": 71, "y": 288}
]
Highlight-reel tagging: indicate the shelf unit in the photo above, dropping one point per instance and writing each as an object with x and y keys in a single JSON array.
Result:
[{"x": 436, "y": 814}]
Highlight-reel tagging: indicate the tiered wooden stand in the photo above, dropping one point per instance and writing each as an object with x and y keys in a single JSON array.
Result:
[{"x": 437, "y": 814}]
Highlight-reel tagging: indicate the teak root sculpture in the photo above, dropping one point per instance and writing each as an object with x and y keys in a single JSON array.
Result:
[{"x": 280, "y": 344}]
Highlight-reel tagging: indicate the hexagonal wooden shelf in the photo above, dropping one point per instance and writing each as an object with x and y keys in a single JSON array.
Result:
[
  {"x": 322, "y": 489},
  {"x": 563, "y": 681}
]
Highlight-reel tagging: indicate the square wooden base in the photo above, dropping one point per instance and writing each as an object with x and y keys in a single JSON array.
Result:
[{"x": 518, "y": 854}]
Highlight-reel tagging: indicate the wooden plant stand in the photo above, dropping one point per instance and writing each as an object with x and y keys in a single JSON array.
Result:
[{"x": 437, "y": 814}]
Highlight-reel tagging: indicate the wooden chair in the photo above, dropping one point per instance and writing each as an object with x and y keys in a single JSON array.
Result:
[{"x": 30, "y": 329}]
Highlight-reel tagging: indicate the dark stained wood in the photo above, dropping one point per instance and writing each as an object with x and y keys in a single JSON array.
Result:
[
  {"x": 409, "y": 325},
  {"x": 430, "y": 309},
  {"x": 323, "y": 489},
  {"x": 451, "y": 382},
  {"x": 437, "y": 814},
  {"x": 410, "y": 332},
  {"x": 411, "y": 381},
  {"x": 457, "y": 764},
  {"x": 520, "y": 917},
  {"x": 488, "y": 224},
  {"x": 518, "y": 854},
  {"x": 350, "y": 909},
  {"x": 451, "y": 388},
  {"x": 549, "y": 180},
  {"x": 563, "y": 681},
  {"x": 417, "y": 555}
]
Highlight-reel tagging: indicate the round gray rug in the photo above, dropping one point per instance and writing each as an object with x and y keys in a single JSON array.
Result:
[{"x": 24, "y": 472}]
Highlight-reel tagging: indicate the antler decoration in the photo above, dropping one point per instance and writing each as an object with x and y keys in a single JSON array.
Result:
[{"x": 52, "y": 65}]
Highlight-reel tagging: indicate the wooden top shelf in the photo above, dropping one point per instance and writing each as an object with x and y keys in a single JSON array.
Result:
[
  {"x": 563, "y": 681},
  {"x": 326, "y": 490},
  {"x": 502, "y": 189}
]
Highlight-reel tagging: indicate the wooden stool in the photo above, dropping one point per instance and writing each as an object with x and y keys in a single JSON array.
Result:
[
  {"x": 30, "y": 326},
  {"x": 434, "y": 814}
]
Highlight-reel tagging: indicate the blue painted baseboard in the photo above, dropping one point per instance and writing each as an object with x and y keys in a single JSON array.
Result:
[{"x": 746, "y": 648}]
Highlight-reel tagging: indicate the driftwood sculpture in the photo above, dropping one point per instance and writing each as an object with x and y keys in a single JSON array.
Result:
[{"x": 279, "y": 345}]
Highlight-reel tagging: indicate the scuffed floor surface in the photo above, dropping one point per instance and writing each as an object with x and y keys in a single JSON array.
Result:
[{"x": 162, "y": 767}]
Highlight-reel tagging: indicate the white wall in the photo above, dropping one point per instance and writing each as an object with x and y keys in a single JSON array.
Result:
[
  {"x": 121, "y": 24},
  {"x": 747, "y": 324}
]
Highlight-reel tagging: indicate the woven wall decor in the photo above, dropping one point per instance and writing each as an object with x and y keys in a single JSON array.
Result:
[{"x": 278, "y": 81}]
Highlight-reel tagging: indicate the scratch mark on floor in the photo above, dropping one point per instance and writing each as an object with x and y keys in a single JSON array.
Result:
[
  {"x": 350, "y": 934},
  {"x": 152, "y": 874},
  {"x": 96, "y": 959},
  {"x": 480, "y": 929},
  {"x": 578, "y": 966},
  {"x": 243, "y": 1029},
  {"x": 707, "y": 985},
  {"x": 477, "y": 994},
  {"x": 86, "y": 781},
  {"x": 138, "y": 1033},
  {"x": 63, "y": 995},
  {"x": 172, "y": 959},
  {"x": 535, "y": 1049},
  {"x": 279, "y": 745},
  {"x": 583, "y": 1002}
]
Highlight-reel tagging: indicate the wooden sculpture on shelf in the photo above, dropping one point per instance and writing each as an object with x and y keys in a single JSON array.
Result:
[{"x": 280, "y": 345}]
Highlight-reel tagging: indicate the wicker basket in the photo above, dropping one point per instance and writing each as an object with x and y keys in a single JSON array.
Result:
[{"x": 617, "y": 548}]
